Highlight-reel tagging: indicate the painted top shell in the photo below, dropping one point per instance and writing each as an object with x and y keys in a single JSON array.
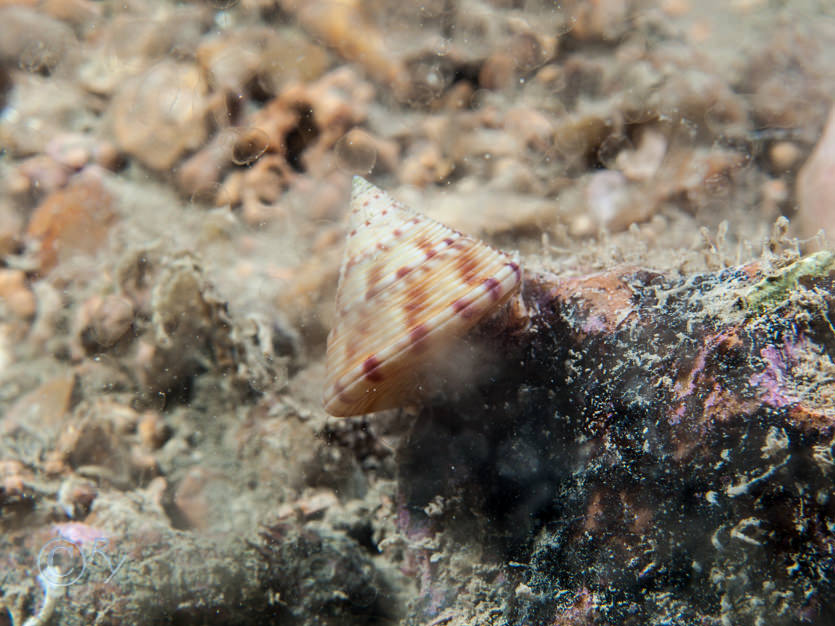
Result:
[{"x": 408, "y": 287}]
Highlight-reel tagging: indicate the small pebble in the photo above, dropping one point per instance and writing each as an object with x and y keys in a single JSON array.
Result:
[
  {"x": 70, "y": 221},
  {"x": 153, "y": 431},
  {"x": 784, "y": 155},
  {"x": 15, "y": 296},
  {"x": 106, "y": 319},
  {"x": 76, "y": 496}
]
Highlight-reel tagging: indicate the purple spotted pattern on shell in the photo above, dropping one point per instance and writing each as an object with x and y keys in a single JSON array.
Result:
[{"x": 408, "y": 287}]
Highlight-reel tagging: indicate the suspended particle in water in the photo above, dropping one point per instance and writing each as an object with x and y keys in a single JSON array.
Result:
[{"x": 356, "y": 152}]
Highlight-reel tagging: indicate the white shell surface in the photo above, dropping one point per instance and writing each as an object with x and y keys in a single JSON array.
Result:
[{"x": 408, "y": 288}]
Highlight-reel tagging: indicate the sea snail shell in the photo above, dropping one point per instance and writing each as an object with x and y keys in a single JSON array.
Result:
[{"x": 408, "y": 287}]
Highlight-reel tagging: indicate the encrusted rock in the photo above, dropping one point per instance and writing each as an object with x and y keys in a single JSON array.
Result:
[{"x": 669, "y": 449}]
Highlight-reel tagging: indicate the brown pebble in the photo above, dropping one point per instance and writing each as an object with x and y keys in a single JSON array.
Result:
[
  {"x": 317, "y": 503},
  {"x": 153, "y": 431},
  {"x": 143, "y": 463},
  {"x": 784, "y": 155},
  {"x": 40, "y": 173},
  {"x": 107, "y": 156},
  {"x": 160, "y": 115},
  {"x": 604, "y": 20},
  {"x": 11, "y": 226},
  {"x": 191, "y": 496},
  {"x": 498, "y": 71},
  {"x": 70, "y": 221},
  {"x": 105, "y": 320},
  {"x": 46, "y": 405},
  {"x": 13, "y": 478},
  {"x": 76, "y": 496},
  {"x": 55, "y": 464},
  {"x": 15, "y": 295}
]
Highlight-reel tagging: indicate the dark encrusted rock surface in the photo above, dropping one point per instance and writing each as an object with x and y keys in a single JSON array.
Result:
[{"x": 653, "y": 451}]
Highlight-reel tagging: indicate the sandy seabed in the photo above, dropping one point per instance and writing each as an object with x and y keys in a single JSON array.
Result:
[{"x": 654, "y": 445}]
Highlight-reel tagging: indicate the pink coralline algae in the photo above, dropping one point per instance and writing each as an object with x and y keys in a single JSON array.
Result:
[
  {"x": 80, "y": 534},
  {"x": 771, "y": 381}
]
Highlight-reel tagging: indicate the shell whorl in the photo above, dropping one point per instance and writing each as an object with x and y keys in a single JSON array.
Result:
[{"x": 408, "y": 287}]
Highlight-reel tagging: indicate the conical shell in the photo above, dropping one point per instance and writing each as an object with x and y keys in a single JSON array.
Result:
[{"x": 408, "y": 287}]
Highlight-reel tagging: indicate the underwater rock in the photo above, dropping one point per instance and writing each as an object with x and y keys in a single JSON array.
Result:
[
  {"x": 319, "y": 572},
  {"x": 608, "y": 201},
  {"x": 658, "y": 447},
  {"x": 791, "y": 98},
  {"x": 16, "y": 298},
  {"x": 188, "y": 328},
  {"x": 642, "y": 162},
  {"x": 15, "y": 484},
  {"x": 46, "y": 406},
  {"x": 296, "y": 132},
  {"x": 603, "y": 20},
  {"x": 76, "y": 150},
  {"x": 39, "y": 174},
  {"x": 102, "y": 321},
  {"x": 351, "y": 30},
  {"x": 783, "y": 156},
  {"x": 128, "y": 43},
  {"x": 11, "y": 228},
  {"x": 152, "y": 430},
  {"x": 161, "y": 114},
  {"x": 75, "y": 220},
  {"x": 76, "y": 496},
  {"x": 91, "y": 446},
  {"x": 510, "y": 61},
  {"x": 203, "y": 497},
  {"x": 65, "y": 155},
  {"x": 33, "y": 41},
  {"x": 37, "y": 109},
  {"x": 260, "y": 59},
  {"x": 126, "y": 564}
]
